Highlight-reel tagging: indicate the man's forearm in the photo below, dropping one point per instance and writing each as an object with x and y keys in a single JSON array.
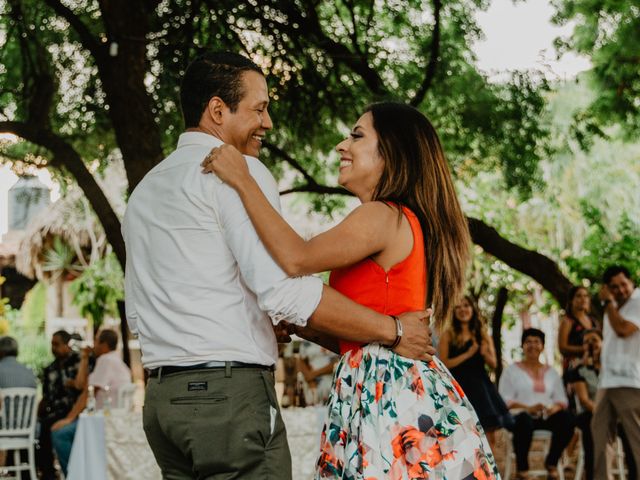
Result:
[
  {"x": 79, "y": 406},
  {"x": 324, "y": 340},
  {"x": 619, "y": 324},
  {"x": 342, "y": 318}
]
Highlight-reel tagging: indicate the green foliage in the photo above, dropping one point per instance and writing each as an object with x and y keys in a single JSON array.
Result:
[
  {"x": 34, "y": 349},
  {"x": 560, "y": 218},
  {"x": 34, "y": 308},
  {"x": 601, "y": 248},
  {"x": 4, "y": 307},
  {"x": 325, "y": 61},
  {"x": 60, "y": 259},
  {"x": 98, "y": 289},
  {"x": 608, "y": 31}
]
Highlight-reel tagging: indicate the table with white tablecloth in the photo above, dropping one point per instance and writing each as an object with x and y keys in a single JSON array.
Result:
[
  {"x": 111, "y": 447},
  {"x": 114, "y": 447}
]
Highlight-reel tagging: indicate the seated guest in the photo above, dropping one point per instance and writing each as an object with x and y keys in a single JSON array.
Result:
[
  {"x": 12, "y": 373},
  {"x": 317, "y": 363},
  {"x": 465, "y": 348},
  {"x": 110, "y": 373},
  {"x": 535, "y": 394},
  {"x": 584, "y": 381},
  {"x": 58, "y": 398}
]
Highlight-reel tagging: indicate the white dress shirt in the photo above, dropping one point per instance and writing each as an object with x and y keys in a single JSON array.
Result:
[
  {"x": 517, "y": 385},
  {"x": 199, "y": 283},
  {"x": 620, "y": 356}
]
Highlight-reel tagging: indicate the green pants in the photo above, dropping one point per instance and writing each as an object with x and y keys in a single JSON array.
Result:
[{"x": 215, "y": 425}]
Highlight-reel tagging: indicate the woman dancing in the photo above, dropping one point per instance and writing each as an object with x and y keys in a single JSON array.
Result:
[{"x": 405, "y": 247}]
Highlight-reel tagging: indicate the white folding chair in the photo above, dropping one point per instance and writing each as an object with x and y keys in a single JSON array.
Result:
[
  {"x": 619, "y": 465},
  {"x": 125, "y": 396},
  {"x": 509, "y": 457},
  {"x": 18, "y": 426}
]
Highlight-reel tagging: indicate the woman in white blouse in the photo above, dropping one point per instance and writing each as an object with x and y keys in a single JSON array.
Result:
[{"x": 534, "y": 393}]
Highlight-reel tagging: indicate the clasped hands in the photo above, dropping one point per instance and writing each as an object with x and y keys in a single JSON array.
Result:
[{"x": 416, "y": 339}]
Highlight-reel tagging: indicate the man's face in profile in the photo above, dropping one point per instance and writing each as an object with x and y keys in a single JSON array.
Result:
[{"x": 246, "y": 127}]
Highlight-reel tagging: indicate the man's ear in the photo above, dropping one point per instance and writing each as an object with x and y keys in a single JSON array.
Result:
[{"x": 216, "y": 108}]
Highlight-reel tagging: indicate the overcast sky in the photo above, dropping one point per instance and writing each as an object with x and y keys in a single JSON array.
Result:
[{"x": 518, "y": 37}]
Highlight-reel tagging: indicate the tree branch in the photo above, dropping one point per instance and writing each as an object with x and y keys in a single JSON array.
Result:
[
  {"x": 430, "y": 70},
  {"x": 533, "y": 264},
  {"x": 291, "y": 161},
  {"x": 86, "y": 37},
  {"x": 64, "y": 155},
  {"x": 317, "y": 188},
  {"x": 537, "y": 266},
  {"x": 339, "y": 54}
]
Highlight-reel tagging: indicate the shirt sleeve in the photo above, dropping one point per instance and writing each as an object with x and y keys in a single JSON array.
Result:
[
  {"x": 281, "y": 297},
  {"x": 506, "y": 388},
  {"x": 632, "y": 312},
  {"x": 130, "y": 312},
  {"x": 100, "y": 375}
]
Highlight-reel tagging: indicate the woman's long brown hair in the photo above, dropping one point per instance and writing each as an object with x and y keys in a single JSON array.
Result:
[{"x": 416, "y": 175}]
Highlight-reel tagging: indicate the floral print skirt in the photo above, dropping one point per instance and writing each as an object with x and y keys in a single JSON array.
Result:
[{"x": 394, "y": 418}]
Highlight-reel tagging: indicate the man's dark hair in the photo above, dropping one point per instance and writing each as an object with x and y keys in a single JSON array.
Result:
[
  {"x": 63, "y": 335},
  {"x": 214, "y": 74},
  {"x": 532, "y": 332},
  {"x": 614, "y": 270},
  {"x": 109, "y": 337},
  {"x": 8, "y": 347}
]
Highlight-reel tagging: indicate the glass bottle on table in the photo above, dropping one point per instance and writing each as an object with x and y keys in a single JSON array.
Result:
[
  {"x": 106, "y": 407},
  {"x": 299, "y": 396},
  {"x": 91, "y": 400}
]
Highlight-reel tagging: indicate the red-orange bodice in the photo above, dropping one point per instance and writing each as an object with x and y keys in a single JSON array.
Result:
[{"x": 401, "y": 289}]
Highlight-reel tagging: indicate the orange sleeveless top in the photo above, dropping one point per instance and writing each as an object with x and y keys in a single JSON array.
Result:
[{"x": 401, "y": 289}]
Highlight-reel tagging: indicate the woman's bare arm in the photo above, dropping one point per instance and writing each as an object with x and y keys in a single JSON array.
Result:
[
  {"x": 488, "y": 351},
  {"x": 583, "y": 395},
  {"x": 443, "y": 352},
  {"x": 363, "y": 233},
  {"x": 563, "y": 339}
]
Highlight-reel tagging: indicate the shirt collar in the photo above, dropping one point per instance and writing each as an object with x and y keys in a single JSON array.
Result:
[{"x": 198, "y": 138}]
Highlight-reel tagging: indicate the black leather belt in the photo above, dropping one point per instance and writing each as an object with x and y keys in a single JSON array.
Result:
[{"x": 214, "y": 365}]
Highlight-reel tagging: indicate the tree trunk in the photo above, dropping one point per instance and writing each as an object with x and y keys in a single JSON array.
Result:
[
  {"x": 122, "y": 71},
  {"x": 64, "y": 156},
  {"x": 60, "y": 296},
  {"x": 496, "y": 328},
  {"x": 124, "y": 333}
]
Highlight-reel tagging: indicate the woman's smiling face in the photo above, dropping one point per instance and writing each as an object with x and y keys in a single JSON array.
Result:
[{"x": 361, "y": 165}]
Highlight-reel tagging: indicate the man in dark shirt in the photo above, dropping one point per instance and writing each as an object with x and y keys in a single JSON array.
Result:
[{"x": 58, "y": 397}]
